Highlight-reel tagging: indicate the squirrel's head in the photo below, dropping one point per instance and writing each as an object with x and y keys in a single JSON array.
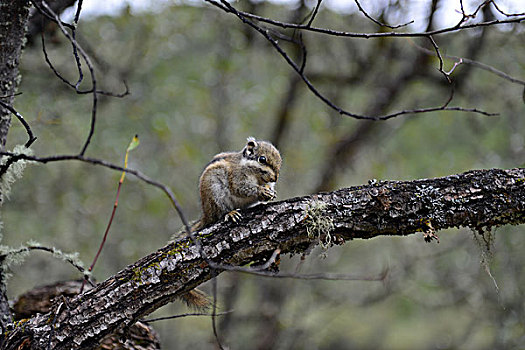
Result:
[{"x": 267, "y": 157}]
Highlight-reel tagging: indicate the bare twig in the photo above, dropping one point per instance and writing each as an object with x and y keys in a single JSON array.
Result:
[
  {"x": 314, "y": 13},
  {"x": 304, "y": 53},
  {"x": 214, "y": 310},
  {"x": 75, "y": 50},
  {"x": 480, "y": 6},
  {"x": 49, "y": 16},
  {"x": 57, "y": 158},
  {"x": 447, "y": 102},
  {"x": 338, "y": 33},
  {"x": 460, "y": 60},
  {"x": 149, "y": 320},
  {"x": 504, "y": 13},
  {"x": 438, "y": 54},
  {"x": 30, "y": 135},
  {"x": 454, "y": 66},
  {"x": 378, "y": 22},
  {"x": 317, "y": 93},
  {"x": 74, "y": 86},
  {"x": 78, "y": 49},
  {"x": 314, "y": 276}
]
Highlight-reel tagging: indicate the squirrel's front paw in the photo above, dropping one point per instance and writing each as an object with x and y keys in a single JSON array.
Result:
[
  {"x": 267, "y": 193},
  {"x": 233, "y": 215}
]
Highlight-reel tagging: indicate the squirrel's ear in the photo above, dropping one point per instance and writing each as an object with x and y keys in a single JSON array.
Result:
[{"x": 250, "y": 147}]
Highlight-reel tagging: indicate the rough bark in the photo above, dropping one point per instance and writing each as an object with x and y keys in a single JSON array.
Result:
[
  {"x": 479, "y": 199},
  {"x": 41, "y": 300},
  {"x": 13, "y": 20}
]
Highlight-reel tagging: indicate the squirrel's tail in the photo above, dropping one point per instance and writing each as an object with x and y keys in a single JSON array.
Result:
[{"x": 197, "y": 299}]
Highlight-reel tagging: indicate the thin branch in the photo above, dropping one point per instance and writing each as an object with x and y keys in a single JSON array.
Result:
[
  {"x": 78, "y": 49},
  {"x": 30, "y": 135},
  {"x": 251, "y": 269},
  {"x": 450, "y": 97},
  {"x": 75, "y": 50},
  {"x": 304, "y": 54},
  {"x": 77, "y": 89},
  {"x": 474, "y": 63},
  {"x": 504, "y": 13},
  {"x": 149, "y": 320},
  {"x": 214, "y": 310},
  {"x": 91, "y": 71},
  {"x": 489, "y": 69},
  {"x": 322, "y": 97},
  {"x": 57, "y": 158},
  {"x": 378, "y": 22},
  {"x": 15, "y": 158},
  {"x": 438, "y": 54},
  {"x": 436, "y": 109},
  {"x": 464, "y": 16},
  {"x": 50, "y": 17},
  {"x": 77, "y": 13},
  {"x": 456, "y": 64},
  {"x": 361, "y": 35},
  {"x": 313, "y": 276},
  {"x": 261, "y": 270},
  {"x": 49, "y": 63},
  {"x": 314, "y": 13},
  {"x": 52, "y": 251},
  {"x": 480, "y": 6}
]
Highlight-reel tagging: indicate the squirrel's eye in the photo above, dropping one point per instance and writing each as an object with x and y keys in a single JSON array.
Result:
[{"x": 262, "y": 159}]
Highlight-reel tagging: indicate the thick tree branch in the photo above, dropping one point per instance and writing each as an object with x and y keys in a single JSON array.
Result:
[{"x": 479, "y": 199}]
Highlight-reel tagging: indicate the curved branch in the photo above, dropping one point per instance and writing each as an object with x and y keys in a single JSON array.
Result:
[
  {"x": 30, "y": 135},
  {"x": 459, "y": 60},
  {"x": 476, "y": 199},
  {"x": 14, "y": 157},
  {"x": 362, "y": 10},
  {"x": 299, "y": 70},
  {"x": 55, "y": 252},
  {"x": 332, "y": 32}
]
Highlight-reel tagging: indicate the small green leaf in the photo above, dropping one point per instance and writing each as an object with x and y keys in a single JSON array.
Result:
[{"x": 134, "y": 143}]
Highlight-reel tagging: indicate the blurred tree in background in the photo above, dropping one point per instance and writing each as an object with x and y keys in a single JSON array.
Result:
[{"x": 201, "y": 81}]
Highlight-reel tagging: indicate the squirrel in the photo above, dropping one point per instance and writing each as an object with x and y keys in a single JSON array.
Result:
[
  {"x": 232, "y": 181},
  {"x": 236, "y": 180}
]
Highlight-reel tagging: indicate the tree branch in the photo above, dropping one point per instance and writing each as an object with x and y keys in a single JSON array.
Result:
[
  {"x": 476, "y": 199},
  {"x": 267, "y": 34},
  {"x": 339, "y": 33}
]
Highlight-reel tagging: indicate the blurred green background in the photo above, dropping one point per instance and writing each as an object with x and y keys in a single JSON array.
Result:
[{"x": 201, "y": 82}]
